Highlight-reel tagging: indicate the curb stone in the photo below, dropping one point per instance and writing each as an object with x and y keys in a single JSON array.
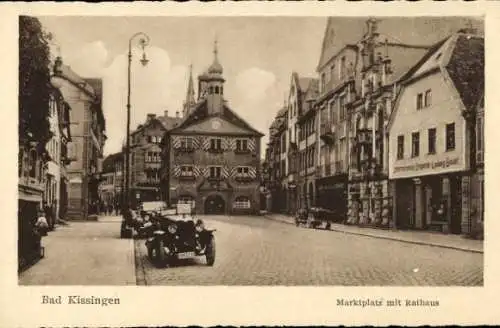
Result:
[{"x": 389, "y": 238}]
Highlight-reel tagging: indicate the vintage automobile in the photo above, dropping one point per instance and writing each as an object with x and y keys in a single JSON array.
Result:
[
  {"x": 315, "y": 217},
  {"x": 135, "y": 220},
  {"x": 179, "y": 237}
]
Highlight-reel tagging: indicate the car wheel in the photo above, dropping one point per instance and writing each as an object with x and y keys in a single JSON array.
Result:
[
  {"x": 151, "y": 253},
  {"x": 210, "y": 252}
]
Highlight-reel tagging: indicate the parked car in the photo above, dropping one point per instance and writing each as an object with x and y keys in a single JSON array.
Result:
[
  {"x": 316, "y": 216},
  {"x": 178, "y": 237}
]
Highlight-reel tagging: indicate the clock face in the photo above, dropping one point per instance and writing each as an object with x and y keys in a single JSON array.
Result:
[{"x": 216, "y": 125}]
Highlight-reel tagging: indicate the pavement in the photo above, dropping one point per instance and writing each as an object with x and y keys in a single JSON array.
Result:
[
  {"x": 254, "y": 250},
  {"x": 427, "y": 238},
  {"x": 84, "y": 253}
]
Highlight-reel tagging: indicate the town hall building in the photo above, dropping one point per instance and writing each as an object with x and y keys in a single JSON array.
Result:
[{"x": 212, "y": 158}]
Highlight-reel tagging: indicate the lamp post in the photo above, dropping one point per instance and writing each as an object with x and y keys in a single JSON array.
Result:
[{"x": 144, "y": 41}]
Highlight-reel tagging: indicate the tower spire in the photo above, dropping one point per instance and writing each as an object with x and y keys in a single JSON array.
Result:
[
  {"x": 190, "y": 94},
  {"x": 216, "y": 67}
]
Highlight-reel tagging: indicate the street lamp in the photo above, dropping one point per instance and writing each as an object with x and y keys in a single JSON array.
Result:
[{"x": 143, "y": 42}]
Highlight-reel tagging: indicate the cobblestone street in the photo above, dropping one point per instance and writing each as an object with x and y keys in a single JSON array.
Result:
[{"x": 258, "y": 251}]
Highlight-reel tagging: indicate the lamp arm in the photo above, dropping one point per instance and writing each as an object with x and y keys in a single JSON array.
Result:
[{"x": 144, "y": 41}]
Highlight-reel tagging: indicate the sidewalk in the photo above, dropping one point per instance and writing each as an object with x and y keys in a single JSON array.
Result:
[
  {"x": 415, "y": 237},
  {"x": 84, "y": 253}
]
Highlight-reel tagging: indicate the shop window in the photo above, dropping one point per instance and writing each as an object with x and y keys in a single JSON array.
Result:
[
  {"x": 241, "y": 202},
  {"x": 450, "y": 136},
  {"x": 415, "y": 144},
  {"x": 401, "y": 147},
  {"x": 420, "y": 101},
  {"x": 432, "y": 140}
]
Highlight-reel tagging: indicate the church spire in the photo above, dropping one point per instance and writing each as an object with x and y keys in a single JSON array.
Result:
[{"x": 190, "y": 94}]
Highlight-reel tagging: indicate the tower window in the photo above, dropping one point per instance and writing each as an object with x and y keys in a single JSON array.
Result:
[
  {"x": 221, "y": 89},
  {"x": 211, "y": 90},
  {"x": 216, "y": 90}
]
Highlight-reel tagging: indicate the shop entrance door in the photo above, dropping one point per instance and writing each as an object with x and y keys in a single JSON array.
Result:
[
  {"x": 405, "y": 216},
  {"x": 456, "y": 205}
]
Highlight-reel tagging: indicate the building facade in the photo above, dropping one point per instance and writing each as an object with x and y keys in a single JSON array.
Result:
[
  {"x": 88, "y": 137},
  {"x": 276, "y": 163},
  {"x": 110, "y": 186},
  {"x": 437, "y": 140},
  {"x": 212, "y": 159},
  {"x": 306, "y": 92},
  {"x": 145, "y": 157}
]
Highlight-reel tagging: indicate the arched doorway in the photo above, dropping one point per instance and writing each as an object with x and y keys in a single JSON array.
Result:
[{"x": 215, "y": 204}]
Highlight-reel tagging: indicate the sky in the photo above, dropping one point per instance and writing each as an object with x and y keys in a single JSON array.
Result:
[{"x": 257, "y": 54}]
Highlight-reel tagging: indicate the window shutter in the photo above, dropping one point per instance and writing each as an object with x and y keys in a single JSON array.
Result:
[
  {"x": 177, "y": 170},
  {"x": 251, "y": 145},
  {"x": 224, "y": 172}
]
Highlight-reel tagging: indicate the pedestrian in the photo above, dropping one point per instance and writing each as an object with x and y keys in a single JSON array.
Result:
[
  {"x": 53, "y": 213},
  {"x": 47, "y": 210},
  {"x": 41, "y": 224}
]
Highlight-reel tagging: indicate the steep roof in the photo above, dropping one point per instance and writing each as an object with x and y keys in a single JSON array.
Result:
[
  {"x": 200, "y": 113},
  {"x": 466, "y": 68},
  {"x": 340, "y": 31},
  {"x": 109, "y": 162},
  {"x": 169, "y": 122},
  {"x": 461, "y": 56}
]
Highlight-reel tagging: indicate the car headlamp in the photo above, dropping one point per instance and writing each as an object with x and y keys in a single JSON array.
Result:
[
  {"x": 199, "y": 227},
  {"x": 172, "y": 228}
]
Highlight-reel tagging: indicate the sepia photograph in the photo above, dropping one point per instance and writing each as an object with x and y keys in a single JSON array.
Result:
[{"x": 250, "y": 151}]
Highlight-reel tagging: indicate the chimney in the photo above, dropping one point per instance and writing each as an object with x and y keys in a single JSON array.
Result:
[
  {"x": 165, "y": 113},
  {"x": 57, "y": 65},
  {"x": 150, "y": 117},
  {"x": 177, "y": 114}
]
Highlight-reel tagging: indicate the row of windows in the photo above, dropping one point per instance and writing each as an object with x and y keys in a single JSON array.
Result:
[
  {"x": 215, "y": 171},
  {"x": 215, "y": 144},
  {"x": 307, "y": 129},
  {"x": 431, "y": 141},
  {"x": 153, "y": 157},
  {"x": 240, "y": 202},
  {"x": 149, "y": 139},
  {"x": 424, "y": 99},
  {"x": 342, "y": 70}
]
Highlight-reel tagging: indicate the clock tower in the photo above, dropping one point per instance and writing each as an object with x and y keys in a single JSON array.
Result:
[{"x": 213, "y": 83}]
